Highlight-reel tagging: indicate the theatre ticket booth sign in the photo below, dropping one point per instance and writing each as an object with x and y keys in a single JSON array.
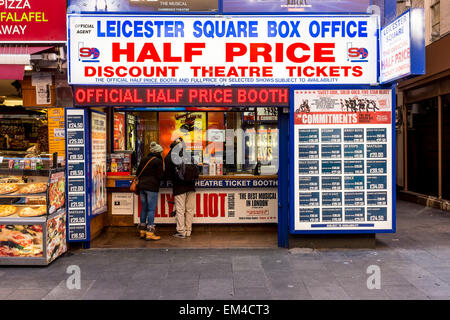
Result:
[{"x": 336, "y": 141}]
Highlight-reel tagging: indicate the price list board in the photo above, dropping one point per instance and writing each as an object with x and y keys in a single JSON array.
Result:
[
  {"x": 76, "y": 174},
  {"x": 342, "y": 161}
]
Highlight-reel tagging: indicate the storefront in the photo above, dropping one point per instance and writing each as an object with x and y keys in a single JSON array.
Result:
[
  {"x": 423, "y": 131},
  {"x": 285, "y": 115},
  {"x": 32, "y": 143}
]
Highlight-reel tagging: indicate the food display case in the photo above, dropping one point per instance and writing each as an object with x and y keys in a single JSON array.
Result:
[{"x": 32, "y": 209}]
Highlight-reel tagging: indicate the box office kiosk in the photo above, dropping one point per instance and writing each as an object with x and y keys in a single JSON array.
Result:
[{"x": 333, "y": 119}]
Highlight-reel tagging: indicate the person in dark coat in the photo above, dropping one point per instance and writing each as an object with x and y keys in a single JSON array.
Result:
[
  {"x": 183, "y": 191},
  {"x": 150, "y": 172}
]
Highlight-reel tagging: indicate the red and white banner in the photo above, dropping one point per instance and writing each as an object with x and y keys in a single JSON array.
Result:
[
  {"x": 222, "y": 206},
  {"x": 211, "y": 50}
]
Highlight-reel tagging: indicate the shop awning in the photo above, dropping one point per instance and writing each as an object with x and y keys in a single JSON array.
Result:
[{"x": 13, "y": 60}]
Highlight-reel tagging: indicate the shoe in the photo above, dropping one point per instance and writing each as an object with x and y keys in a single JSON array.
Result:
[
  {"x": 179, "y": 235},
  {"x": 151, "y": 236},
  {"x": 142, "y": 230}
]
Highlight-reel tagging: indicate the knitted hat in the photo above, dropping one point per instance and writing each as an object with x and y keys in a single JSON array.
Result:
[{"x": 155, "y": 148}]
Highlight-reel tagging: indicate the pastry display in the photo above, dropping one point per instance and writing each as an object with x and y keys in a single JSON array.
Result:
[
  {"x": 7, "y": 210},
  {"x": 34, "y": 188},
  {"x": 6, "y": 188},
  {"x": 33, "y": 211}
]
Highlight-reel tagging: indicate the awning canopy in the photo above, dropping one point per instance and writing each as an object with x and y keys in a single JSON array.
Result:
[{"x": 13, "y": 59}]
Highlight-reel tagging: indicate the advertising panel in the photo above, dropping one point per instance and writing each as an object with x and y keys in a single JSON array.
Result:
[
  {"x": 342, "y": 161},
  {"x": 402, "y": 47},
  {"x": 32, "y": 21},
  {"x": 223, "y": 206},
  {"x": 108, "y": 6},
  {"x": 329, "y": 6},
  {"x": 208, "y": 50},
  {"x": 76, "y": 173},
  {"x": 119, "y": 131},
  {"x": 56, "y": 237},
  {"x": 98, "y": 152},
  {"x": 190, "y": 126},
  {"x": 21, "y": 240},
  {"x": 131, "y": 132},
  {"x": 56, "y": 132}
]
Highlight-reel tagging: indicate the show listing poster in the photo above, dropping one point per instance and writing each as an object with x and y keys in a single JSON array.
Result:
[
  {"x": 222, "y": 206},
  {"x": 214, "y": 50},
  {"x": 342, "y": 160},
  {"x": 131, "y": 132},
  {"x": 119, "y": 131},
  {"x": 98, "y": 191},
  {"x": 105, "y": 6},
  {"x": 328, "y": 6},
  {"x": 190, "y": 126}
]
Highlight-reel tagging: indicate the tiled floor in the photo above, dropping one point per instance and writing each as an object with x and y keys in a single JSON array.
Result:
[
  {"x": 414, "y": 263},
  {"x": 202, "y": 237}
]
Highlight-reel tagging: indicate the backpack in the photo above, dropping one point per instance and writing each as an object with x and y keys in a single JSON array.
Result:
[{"x": 187, "y": 172}]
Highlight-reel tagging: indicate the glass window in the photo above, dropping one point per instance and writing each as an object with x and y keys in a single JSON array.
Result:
[
  {"x": 435, "y": 18},
  {"x": 446, "y": 147},
  {"x": 423, "y": 147}
]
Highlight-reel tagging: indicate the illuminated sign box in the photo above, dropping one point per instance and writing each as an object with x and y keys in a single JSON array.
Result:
[
  {"x": 403, "y": 47},
  {"x": 171, "y": 96}
]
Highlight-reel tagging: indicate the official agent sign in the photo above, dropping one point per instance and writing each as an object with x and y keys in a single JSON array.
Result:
[
  {"x": 32, "y": 20},
  {"x": 155, "y": 50}
]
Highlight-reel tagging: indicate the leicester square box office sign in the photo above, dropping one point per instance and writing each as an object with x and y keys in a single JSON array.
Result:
[
  {"x": 208, "y": 50},
  {"x": 32, "y": 21}
]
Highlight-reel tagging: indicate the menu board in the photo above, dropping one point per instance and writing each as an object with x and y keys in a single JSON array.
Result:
[
  {"x": 76, "y": 172},
  {"x": 98, "y": 156},
  {"x": 342, "y": 160}
]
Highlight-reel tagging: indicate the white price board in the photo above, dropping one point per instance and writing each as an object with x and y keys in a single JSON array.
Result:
[{"x": 342, "y": 165}]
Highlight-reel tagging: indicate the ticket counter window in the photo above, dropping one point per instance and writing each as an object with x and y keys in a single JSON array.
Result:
[{"x": 221, "y": 143}]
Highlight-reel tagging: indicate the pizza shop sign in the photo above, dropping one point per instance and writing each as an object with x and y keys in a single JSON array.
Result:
[
  {"x": 32, "y": 20},
  {"x": 207, "y": 50}
]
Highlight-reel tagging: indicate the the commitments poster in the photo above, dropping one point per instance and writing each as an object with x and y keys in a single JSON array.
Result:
[
  {"x": 76, "y": 6},
  {"x": 342, "y": 153},
  {"x": 98, "y": 184}
]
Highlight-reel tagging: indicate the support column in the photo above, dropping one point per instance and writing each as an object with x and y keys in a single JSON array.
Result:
[{"x": 283, "y": 179}]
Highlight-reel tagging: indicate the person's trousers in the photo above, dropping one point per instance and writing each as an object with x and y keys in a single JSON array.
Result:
[
  {"x": 184, "y": 206},
  {"x": 149, "y": 200}
]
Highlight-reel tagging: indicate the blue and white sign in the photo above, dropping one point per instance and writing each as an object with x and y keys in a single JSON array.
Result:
[
  {"x": 403, "y": 47},
  {"x": 215, "y": 50}
]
